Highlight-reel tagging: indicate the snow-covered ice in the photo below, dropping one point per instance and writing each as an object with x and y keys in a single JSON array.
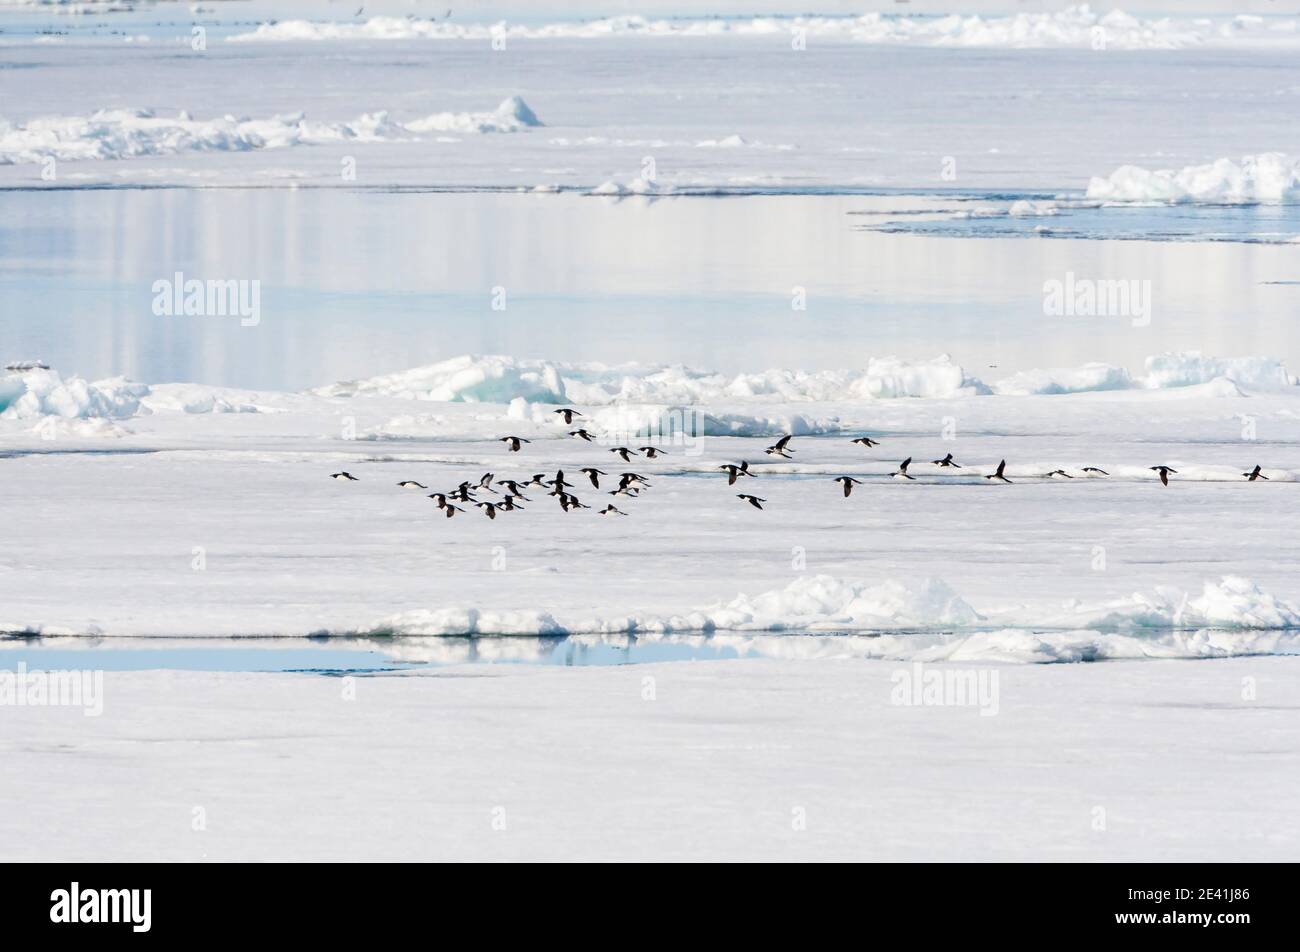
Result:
[
  {"x": 121, "y": 133},
  {"x": 665, "y": 762},
  {"x": 1076, "y": 26},
  {"x": 1270, "y": 178}
]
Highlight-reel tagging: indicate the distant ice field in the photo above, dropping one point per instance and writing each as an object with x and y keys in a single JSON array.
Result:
[{"x": 733, "y": 109}]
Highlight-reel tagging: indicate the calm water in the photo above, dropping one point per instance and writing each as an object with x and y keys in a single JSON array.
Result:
[
  {"x": 344, "y": 655},
  {"x": 355, "y": 283}
]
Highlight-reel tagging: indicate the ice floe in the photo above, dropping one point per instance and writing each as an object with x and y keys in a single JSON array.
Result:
[
  {"x": 1094, "y": 376},
  {"x": 1077, "y": 26},
  {"x": 1267, "y": 178},
  {"x": 33, "y": 394},
  {"x": 127, "y": 133},
  {"x": 926, "y": 620},
  {"x": 1191, "y": 368}
]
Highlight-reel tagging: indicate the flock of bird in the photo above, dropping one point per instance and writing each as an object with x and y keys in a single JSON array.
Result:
[{"x": 631, "y": 484}]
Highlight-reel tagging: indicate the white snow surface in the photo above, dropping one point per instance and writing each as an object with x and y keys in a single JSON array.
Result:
[{"x": 736, "y": 749}]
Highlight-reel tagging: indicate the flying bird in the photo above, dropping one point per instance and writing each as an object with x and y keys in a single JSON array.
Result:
[
  {"x": 581, "y": 434},
  {"x": 946, "y": 461},
  {"x": 451, "y": 510},
  {"x": 347, "y": 476},
  {"x": 489, "y": 509},
  {"x": 866, "y": 441},
  {"x": 752, "y": 500},
  {"x": 569, "y": 502},
  {"x": 652, "y": 452},
  {"x": 997, "y": 474},
  {"x": 512, "y": 442},
  {"x": 612, "y": 510},
  {"x": 568, "y": 414},
  {"x": 735, "y": 471},
  {"x": 779, "y": 448},
  {"x": 592, "y": 474},
  {"x": 411, "y": 484},
  {"x": 848, "y": 482},
  {"x": 624, "y": 452},
  {"x": 1255, "y": 474},
  {"x": 1164, "y": 472},
  {"x": 1057, "y": 472},
  {"x": 1094, "y": 469},
  {"x": 901, "y": 472}
]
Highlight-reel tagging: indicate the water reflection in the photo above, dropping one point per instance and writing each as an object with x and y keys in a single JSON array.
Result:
[{"x": 359, "y": 283}]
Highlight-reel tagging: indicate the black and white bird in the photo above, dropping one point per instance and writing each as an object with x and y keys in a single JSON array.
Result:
[
  {"x": 780, "y": 447},
  {"x": 489, "y": 509},
  {"x": 569, "y": 502},
  {"x": 624, "y": 452},
  {"x": 612, "y": 510},
  {"x": 632, "y": 481},
  {"x": 1094, "y": 470},
  {"x": 539, "y": 479},
  {"x": 848, "y": 482},
  {"x": 559, "y": 483},
  {"x": 901, "y": 472},
  {"x": 411, "y": 484},
  {"x": 451, "y": 510},
  {"x": 581, "y": 434},
  {"x": 347, "y": 476},
  {"x": 512, "y": 486},
  {"x": 485, "y": 483},
  {"x": 512, "y": 442},
  {"x": 752, "y": 500},
  {"x": 866, "y": 441},
  {"x": 998, "y": 474},
  {"x": 946, "y": 462},
  {"x": 652, "y": 452},
  {"x": 1164, "y": 472},
  {"x": 568, "y": 414},
  {"x": 440, "y": 499},
  {"x": 1255, "y": 474},
  {"x": 509, "y": 505},
  {"x": 733, "y": 471},
  {"x": 593, "y": 474},
  {"x": 1057, "y": 472}
]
